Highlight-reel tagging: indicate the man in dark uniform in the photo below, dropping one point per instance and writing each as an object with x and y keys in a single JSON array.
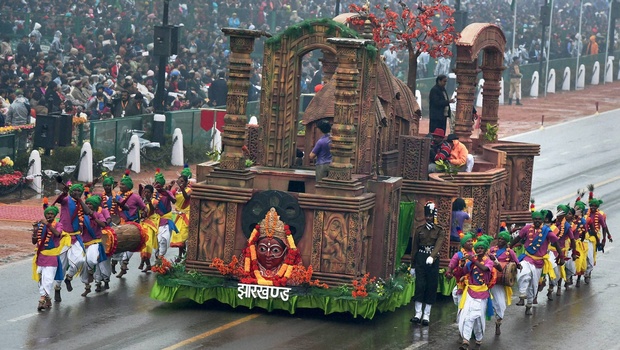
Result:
[{"x": 427, "y": 241}]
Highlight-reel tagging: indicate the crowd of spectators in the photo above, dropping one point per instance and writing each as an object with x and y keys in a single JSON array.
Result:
[{"x": 95, "y": 57}]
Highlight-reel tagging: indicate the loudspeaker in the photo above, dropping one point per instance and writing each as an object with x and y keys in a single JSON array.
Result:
[
  {"x": 545, "y": 12},
  {"x": 162, "y": 40},
  {"x": 65, "y": 130},
  {"x": 45, "y": 131},
  {"x": 175, "y": 33}
]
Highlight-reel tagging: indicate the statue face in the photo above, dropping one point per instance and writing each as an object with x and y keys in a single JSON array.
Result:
[{"x": 270, "y": 253}]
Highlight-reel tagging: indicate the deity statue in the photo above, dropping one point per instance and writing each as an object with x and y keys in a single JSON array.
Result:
[{"x": 271, "y": 252}]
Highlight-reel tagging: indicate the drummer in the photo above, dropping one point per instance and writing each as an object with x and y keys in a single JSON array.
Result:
[
  {"x": 566, "y": 241},
  {"x": 72, "y": 212},
  {"x": 128, "y": 205},
  {"x": 182, "y": 194},
  {"x": 94, "y": 268},
  {"x": 107, "y": 204},
  {"x": 501, "y": 255},
  {"x": 165, "y": 199}
]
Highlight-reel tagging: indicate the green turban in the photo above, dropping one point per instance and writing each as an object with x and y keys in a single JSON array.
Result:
[
  {"x": 108, "y": 181},
  {"x": 126, "y": 180},
  {"x": 51, "y": 209},
  {"x": 187, "y": 172},
  {"x": 581, "y": 205},
  {"x": 504, "y": 235},
  {"x": 95, "y": 201},
  {"x": 466, "y": 238},
  {"x": 159, "y": 178},
  {"x": 482, "y": 243},
  {"x": 596, "y": 202},
  {"x": 76, "y": 187},
  {"x": 563, "y": 208},
  {"x": 538, "y": 215}
]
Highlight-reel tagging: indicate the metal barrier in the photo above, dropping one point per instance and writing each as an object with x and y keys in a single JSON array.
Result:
[
  {"x": 111, "y": 136},
  {"x": 7, "y": 146}
]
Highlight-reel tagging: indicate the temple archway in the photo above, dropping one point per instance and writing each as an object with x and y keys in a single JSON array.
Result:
[
  {"x": 476, "y": 39},
  {"x": 281, "y": 80}
]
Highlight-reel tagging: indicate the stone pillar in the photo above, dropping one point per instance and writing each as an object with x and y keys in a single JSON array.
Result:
[
  {"x": 240, "y": 70},
  {"x": 344, "y": 133},
  {"x": 492, "y": 69},
  {"x": 466, "y": 77}
]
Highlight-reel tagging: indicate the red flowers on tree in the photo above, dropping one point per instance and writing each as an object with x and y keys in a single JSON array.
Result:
[{"x": 414, "y": 30}]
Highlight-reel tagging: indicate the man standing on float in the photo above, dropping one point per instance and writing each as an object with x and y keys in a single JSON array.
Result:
[{"x": 427, "y": 241}]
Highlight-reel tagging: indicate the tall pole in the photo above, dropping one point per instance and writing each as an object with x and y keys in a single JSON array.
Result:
[
  {"x": 607, "y": 42},
  {"x": 337, "y": 11},
  {"x": 543, "y": 23},
  {"x": 579, "y": 47},
  {"x": 514, "y": 27},
  {"x": 549, "y": 47},
  {"x": 159, "y": 102}
]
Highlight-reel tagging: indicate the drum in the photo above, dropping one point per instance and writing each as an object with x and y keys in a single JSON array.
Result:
[
  {"x": 131, "y": 238},
  {"x": 109, "y": 240},
  {"x": 508, "y": 276}
]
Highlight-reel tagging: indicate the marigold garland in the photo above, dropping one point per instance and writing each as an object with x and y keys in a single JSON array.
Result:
[
  {"x": 163, "y": 268},
  {"x": 359, "y": 286}
]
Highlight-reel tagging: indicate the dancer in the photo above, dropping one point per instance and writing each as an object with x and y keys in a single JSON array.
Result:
[
  {"x": 597, "y": 234},
  {"x": 182, "y": 194},
  {"x": 94, "y": 270},
  {"x": 579, "y": 232},
  {"x": 501, "y": 255},
  {"x": 535, "y": 260},
  {"x": 427, "y": 241},
  {"x": 474, "y": 303},
  {"x": 128, "y": 206},
  {"x": 72, "y": 212},
  {"x": 566, "y": 241},
  {"x": 151, "y": 226},
  {"x": 455, "y": 267},
  {"x": 165, "y": 199},
  {"x": 46, "y": 236}
]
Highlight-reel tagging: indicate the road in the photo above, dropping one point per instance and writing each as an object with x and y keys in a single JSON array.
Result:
[{"x": 573, "y": 155}]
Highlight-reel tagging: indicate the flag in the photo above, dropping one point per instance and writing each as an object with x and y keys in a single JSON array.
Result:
[{"x": 512, "y": 4}]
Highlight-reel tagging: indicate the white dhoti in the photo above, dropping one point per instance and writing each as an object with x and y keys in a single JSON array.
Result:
[
  {"x": 556, "y": 268},
  {"x": 456, "y": 297},
  {"x": 590, "y": 259},
  {"x": 570, "y": 268},
  {"x": 75, "y": 258},
  {"x": 527, "y": 278},
  {"x": 125, "y": 256},
  {"x": 46, "y": 279},
  {"x": 101, "y": 271},
  {"x": 163, "y": 240},
  {"x": 499, "y": 300},
  {"x": 471, "y": 318}
]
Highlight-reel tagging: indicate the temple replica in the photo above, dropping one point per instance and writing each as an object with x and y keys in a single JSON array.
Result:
[{"x": 251, "y": 227}]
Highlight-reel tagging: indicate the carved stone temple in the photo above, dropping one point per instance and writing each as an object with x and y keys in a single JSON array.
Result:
[{"x": 347, "y": 224}]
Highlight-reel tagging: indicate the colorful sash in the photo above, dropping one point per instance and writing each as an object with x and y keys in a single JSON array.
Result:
[
  {"x": 51, "y": 250},
  {"x": 547, "y": 267},
  {"x": 536, "y": 242}
]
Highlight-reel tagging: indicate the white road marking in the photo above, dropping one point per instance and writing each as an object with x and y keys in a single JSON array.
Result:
[{"x": 23, "y": 317}]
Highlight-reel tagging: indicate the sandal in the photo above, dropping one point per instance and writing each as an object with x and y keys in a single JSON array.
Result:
[
  {"x": 464, "y": 345},
  {"x": 41, "y": 305}
]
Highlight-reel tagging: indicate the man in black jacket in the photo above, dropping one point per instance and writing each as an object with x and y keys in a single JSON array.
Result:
[
  {"x": 218, "y": 91},
  {"x": 439, "y": 104}
]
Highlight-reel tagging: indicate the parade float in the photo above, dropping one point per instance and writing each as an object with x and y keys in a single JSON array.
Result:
[{"x": 271, "y": 236}]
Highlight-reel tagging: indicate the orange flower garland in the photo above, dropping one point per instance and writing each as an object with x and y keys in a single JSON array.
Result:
[
  {"x": 359, "y": 286},
  {"x": 163, "y": 268}
]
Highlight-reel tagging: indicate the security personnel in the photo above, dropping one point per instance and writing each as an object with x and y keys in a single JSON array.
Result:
[{"x": 427, "y": 241}]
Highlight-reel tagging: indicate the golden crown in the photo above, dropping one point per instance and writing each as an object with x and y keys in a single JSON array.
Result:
[{"x": 271, "y": 226}]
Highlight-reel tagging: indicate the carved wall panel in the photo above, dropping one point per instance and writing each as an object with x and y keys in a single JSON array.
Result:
[
  {"x": 414, "y": 151},
  {"x": 212, "y": 232}
]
